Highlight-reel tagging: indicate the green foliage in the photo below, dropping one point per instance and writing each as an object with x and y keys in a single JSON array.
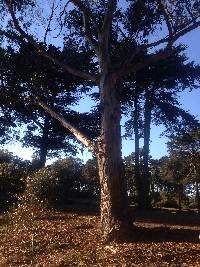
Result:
[
  {"x": 91, "y": 183},
  {"x": 166, "y": 200},
  {"x": 130, "y": 175},
  {"x": 61, "y": 183},
  {"x": 5, "y": 156},
  {"x": 11, "y": 184}
]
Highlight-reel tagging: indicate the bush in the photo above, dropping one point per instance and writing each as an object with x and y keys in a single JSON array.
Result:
[
  {"x": 57, "y": 183},
  {"x": 41, "y": 186},
  {"x": 64, "y": 182},
  {"x": 166, "y": 200},
  {"x": 11, "y": 184},
  {"x": 193, "y": 203}
]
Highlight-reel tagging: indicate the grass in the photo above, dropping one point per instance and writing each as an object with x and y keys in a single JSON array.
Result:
[{"x": 38, "y": 237}]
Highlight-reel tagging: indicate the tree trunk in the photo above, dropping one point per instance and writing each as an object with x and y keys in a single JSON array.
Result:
[
  {"x": 196, "y": 173},
  {"x": 137, "y": 152},
  {"x": 179, "y": 196},
  {"x": 197, "y": 195},
  {"x": 116, "y": 223},
  {"x": 146, "y": 174},
  {"x": 44, "y": 143}
]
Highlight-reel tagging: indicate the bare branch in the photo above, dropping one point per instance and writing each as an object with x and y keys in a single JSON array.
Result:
[
  {"x": 121, "y": 31},
  {"x": 87, "y": 16},
  {"x": 59, "y": 19},
  {"x": 69, "y": 69},
  {"x": 48, "y": 29},
  {"x": 76, "y": 132},
  {"x": 190, "y": 13},
  {"x": 43, "y": 52}
]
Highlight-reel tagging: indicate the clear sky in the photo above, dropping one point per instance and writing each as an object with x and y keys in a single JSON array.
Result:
[{"x": 190, "y": 101}]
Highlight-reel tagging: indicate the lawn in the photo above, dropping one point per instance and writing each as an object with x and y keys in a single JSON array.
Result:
[{"x": 51, "y": 238}]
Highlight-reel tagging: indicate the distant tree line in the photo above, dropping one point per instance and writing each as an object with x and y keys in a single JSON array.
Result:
[{"x": 69, "y": 183}]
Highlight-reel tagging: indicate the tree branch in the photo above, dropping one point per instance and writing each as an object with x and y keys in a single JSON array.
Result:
[
  {"x": 76, "y": 132},
  {"x": 87, "y": 16},
  {"x": 43, "y": 52},
  {"x": 49, "y": 22},
  {"x": 88, "y": 35},
  {"x": 187, "y": 29},
  {"x": 86, "y": 11},
  {"x": 168, "y": 39},
  {"x": 166, "y": 16},
  {"x": 152, "y": 59},
  {"x": 112, "y": 5},
  {"x": 107, "y": 23},
  {"x": 59, "y": 19},
  {"x": 37, "y": 123}
]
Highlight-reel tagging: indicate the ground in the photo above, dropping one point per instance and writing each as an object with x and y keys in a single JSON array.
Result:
[{"x": 51, "y": 238}]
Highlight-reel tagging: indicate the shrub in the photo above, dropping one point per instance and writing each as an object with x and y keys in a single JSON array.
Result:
[
  {"x": 11, "y": 184},
  {"x": 57, "y": 183},
  {"x": 166, "y": 200},
  {"x": 64, "y": 182}
]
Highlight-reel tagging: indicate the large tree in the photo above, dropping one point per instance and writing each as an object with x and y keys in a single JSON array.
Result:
[
  {"x": 152, "y": 97},
  {"x": 99, "y": 26}
]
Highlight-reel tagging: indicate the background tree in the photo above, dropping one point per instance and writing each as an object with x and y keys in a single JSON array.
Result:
[
  {"x": 91, "y": 177},
  {"x": 155, "y": 96},
  {"x": 188, "y": 144},
  {"x": 43, "y": 133}
]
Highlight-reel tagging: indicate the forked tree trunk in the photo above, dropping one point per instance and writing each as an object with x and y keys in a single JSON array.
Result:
[{"x": 116, "y": 223}]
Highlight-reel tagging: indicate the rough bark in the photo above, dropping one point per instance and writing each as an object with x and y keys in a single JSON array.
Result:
[
  {"x": 145, "y": 185},
  {"x": 116, "y": 223}
]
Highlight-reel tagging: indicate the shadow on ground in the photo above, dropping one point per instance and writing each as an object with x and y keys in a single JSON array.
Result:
[{"x": 165, "y": 234}]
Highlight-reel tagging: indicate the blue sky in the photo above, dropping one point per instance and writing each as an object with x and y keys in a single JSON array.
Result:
[{"x": 190, "y": 101}]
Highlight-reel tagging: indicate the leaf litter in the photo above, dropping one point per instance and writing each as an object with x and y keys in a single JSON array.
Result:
[{"x": 52, "y": 238}]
